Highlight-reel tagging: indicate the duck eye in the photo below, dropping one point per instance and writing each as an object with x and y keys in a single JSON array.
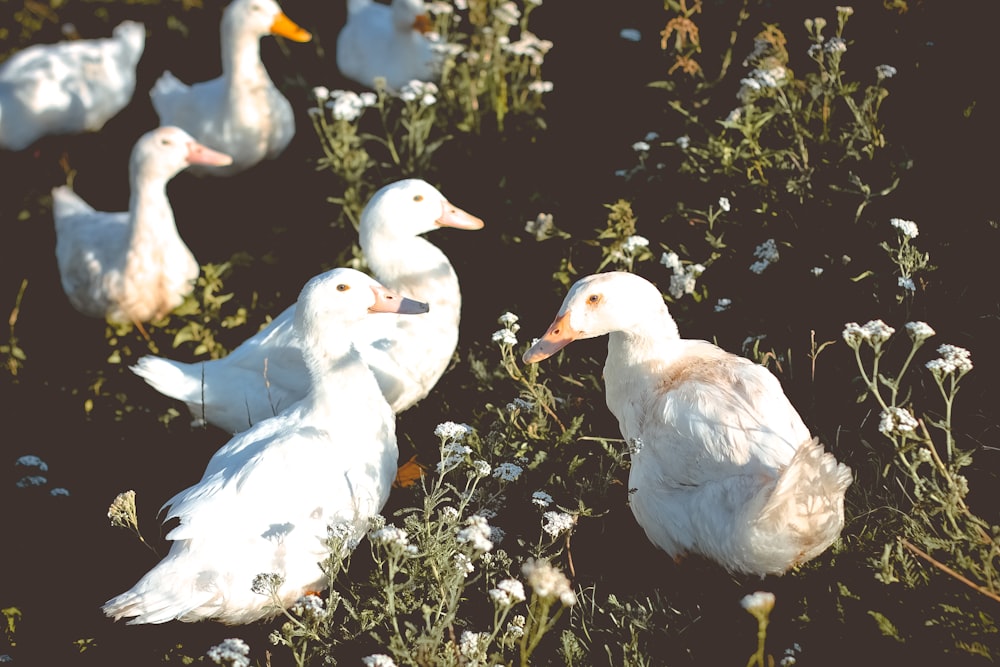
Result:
[
  {"x": 418, "y": 197},
  {"x": 342, "y": 287},
  {"x": 594, "y": 299}
]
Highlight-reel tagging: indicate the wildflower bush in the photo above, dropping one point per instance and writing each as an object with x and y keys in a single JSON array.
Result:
[{"x": 764, "y": 174}]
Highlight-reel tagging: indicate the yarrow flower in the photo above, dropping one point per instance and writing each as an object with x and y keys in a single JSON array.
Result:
[
  {"x": 759, "y": 604},
  {"x": 683, "y": 142},
  {"x": 515, "y": 629},
  {"x": 897, "y": 422},
  {"x": 874, "y": 332},
  {"x": 766, "y": 254},
  {"x": 347, "y": 105},
  {"x": 907, "y": 228},
  {"x": 378, "y": 660},
  {"x": 452, "y": 431},
  {"x": 906, "y": 283},
  {"x": 548, "y": 582},
  {"x": 30, "y": 481},
  {"x": 231, "y": 652},
  {"x": 508, "y": 593},
  {"x": 954, "y": 360},
  {"x": 464, "y": 564},
  {"x": 473, "y": 645},
  {"x": 310, "y": 606},
  {"x": 31, "y": 461},
  {"x": 723, "y": 304},
  {"x": 389, "y": 536},
  {"x": 507, "y": 13},
  {"x": 476, "y": 534},
  {"x": 835, "y": 45},
  {"x": 481, "y": 468},
  {"x": 507, "y": 472},
  {"x": 504, "y": 337},
  {"x": 266, "y": 582},
  {"x": 541, "y": 499},
  {"x": 640, "y": 147},
  {"x": 724, "y": 204},
  {"x": 557, "y": 523},
  {"x": 425, "y": 91},
  {"x": 919, "y": 331},
  {"x": 885, "y": 72},
  {"x": 541, "y": 87}
]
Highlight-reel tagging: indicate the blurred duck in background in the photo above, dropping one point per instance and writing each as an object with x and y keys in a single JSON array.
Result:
[
  {"x": 69, "y": 87},
  {"x": 240, "y": 113}
]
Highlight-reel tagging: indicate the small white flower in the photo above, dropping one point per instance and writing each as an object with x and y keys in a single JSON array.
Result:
[
  {"x": 766, "y": 254},
  {"x": 845, "y": 10},
  {"x": 507, "y": 13},
  {"x": 897, "y": 422},
  {"x": 509, "y": 320},
  {"x": 59, "y": 491},
  {"x": 885, "y": 71},
  {"x": 515, "y": 629},
  {"x": 507, "y": 472},
  {"x": 31, "y": 461},
  {"x": 231, "y": 652},
  {"x": 816, "y": 271},
  {"x": 723, "y": 304},
  {"x": 504, "y": 337},
  {"x": 919, "y": 331},
  {"x": 321, "y": 93},
  {"x": 907, "y": 228},
  {"x": 464, "y": 564},
  {"x": 640, "y": 147},
  {"x": 30, "y": 481},
  {"x": 309, "y": 605},
  {"x": 877, "y": 332},
  {"x": 452, "y": 431},
  {"x": 724, "y": 204},
  {"x": 540, "y": 227},
  {"x": 758, "y": 601},
  {"x": 651, "y": 136},
  {"x": 476, "y": 533},
  {"x": 953, "y": 359},
  {"x": 507, "y": 593},
  {"x": 541, "y": 87},
  {"x": 390, "y": 536},
  {"x": 481, "y": 468},
  {"x": 473, "y": 646},
  {"x": 541, "y": 499},
  {"x": 548, "y": 582},
  {"x": 378, "y": 660},
  {"x": 906, "y": 283},
  {"x": 633, "y": 243},
  {"x": 683, "y": 142},
  {"x": 835, "y": 45},
  {"x": 671, "y": 261},
  {"x": 557, "y": 523}
]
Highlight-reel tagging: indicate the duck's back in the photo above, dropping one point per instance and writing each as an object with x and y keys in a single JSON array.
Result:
[
  {"x": 369, "y": 46},
  {"x": 68, "y": 87}
]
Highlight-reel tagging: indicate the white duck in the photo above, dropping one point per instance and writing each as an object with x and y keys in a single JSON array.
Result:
[
  {"x": 266, "y": 373},
  {"x": 388, "y": 41},
  {"x": 725, "y": 466},
  {"x": 69, "y": 87},
  {"x": 240, "y": 113},
  {"x": 268, "y": 496},
  {"x": 131, "y": 266}
]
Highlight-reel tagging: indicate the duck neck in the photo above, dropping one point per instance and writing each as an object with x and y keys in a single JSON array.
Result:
[
  {"x": 326, "y": 358},
  {"x": 240, "y": 54},
  {"x": 425, "y": 274},
  {"x": 643, "y": 348},
  {"x": 149, "y": 208}
]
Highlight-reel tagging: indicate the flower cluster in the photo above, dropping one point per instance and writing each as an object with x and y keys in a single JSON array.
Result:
[
  {"x": 766, "y": 254},
  {"x": 548, "y": 582},
  {"x": 231, "y": 652}
]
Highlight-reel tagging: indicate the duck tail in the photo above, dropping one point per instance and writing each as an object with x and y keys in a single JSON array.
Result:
[
  {"x": 174, "y": 379},
  {"x": 162, "y": 595},
  {"x": 806, "y": 507}
]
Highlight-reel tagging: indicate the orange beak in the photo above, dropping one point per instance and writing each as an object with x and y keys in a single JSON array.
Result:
[
  {"x": 387, "y": 301},
  {"x": 453, "y": 216},
  {"x": 199, "y": 154},
  {"x": 559, "y": 335},
  {"x": 422, "y": 24},
  {"x": 288, "y": 29}
]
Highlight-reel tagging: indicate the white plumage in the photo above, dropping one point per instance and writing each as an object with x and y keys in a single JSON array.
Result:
[
  {"x": 68, "y": 87},
  {"x": 240, "y": 113},
  {"x": 268, "y": 497},
  {"x": 131, "y": 266},
  {"x": 266, "y": 372},
  {"x": 725, "y": 466},
  {"x": 388, "y": 41}
]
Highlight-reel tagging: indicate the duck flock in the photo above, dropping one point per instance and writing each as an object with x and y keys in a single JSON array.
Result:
[{"x": 722, "y": 464}]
